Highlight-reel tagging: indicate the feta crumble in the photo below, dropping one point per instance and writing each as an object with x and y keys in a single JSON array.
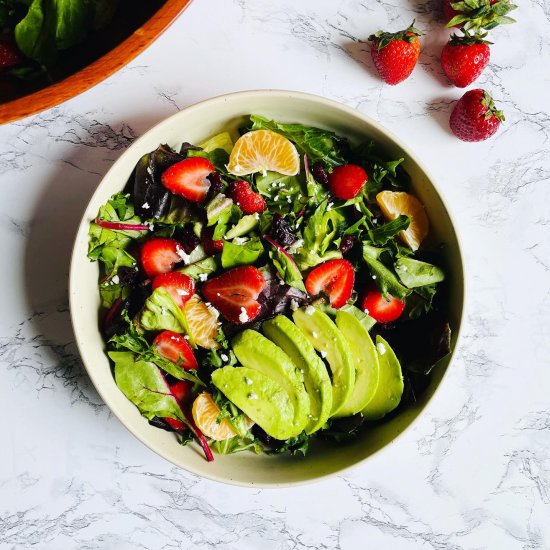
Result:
[
  {"x": 293, "y": 304},
  {"x": 203, "y": 276},
  {"x": 243, "y": 316},
  {"x": 145, "y": 206},
  {"x": 310, "y": 310}
]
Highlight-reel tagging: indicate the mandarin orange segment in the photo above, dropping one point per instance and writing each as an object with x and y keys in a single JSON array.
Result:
[
  {"x": 203, "y": 322},
  {"x": 205, "y": 414},
  {"x": 262, "y": 150},
  {"x": 395, "y": 203}
]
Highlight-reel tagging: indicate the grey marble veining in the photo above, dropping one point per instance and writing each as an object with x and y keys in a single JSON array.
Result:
[{"x": 474, "y": 472}]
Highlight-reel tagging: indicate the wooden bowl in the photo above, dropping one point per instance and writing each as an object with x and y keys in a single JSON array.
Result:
[{"x": 96, "y": 59}]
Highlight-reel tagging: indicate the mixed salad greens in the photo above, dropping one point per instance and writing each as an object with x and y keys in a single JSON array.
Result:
[
  {"x": 262, "y": 292},
  {"x": 33, "y": 32}
]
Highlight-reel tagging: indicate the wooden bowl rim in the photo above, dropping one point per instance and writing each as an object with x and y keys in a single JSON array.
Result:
[{"x": 97, "y": 71}]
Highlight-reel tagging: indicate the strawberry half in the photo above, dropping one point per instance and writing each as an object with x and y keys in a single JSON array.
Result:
[
  {"x": 235, "y": 292},
  {"x": 160, "y": 255},
  {"x": 174, "y": 348},
  {"x": 346, "y": 181},
  {"x": 334, "y": 278},
  {"x": 380, "y": 309},
  {"x": 180, "y": 286},
  {"x": 189, "y": 178},
  {"x": 246, "y": 199}
]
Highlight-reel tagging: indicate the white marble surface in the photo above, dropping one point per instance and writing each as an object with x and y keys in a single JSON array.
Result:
[{"x": 475, "y": 471}]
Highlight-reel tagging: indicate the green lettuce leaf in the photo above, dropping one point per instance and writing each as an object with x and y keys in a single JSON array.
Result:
[
  {"x": 160, "y": 312},
  {"x": 143, "y": 384},
  {"x": 221, "y": 141},
  {"x": 386, "y": 232},
  {"x": 241, "y": 254},
  {"x": 286, "y": 268}
]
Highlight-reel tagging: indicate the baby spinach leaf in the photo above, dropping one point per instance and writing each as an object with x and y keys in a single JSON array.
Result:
[
  {"x": 383, "y": 233},
  {"x": 414, "y": 273},
  {"x": 160, "y": 312},
  {"x": 317, "y": 144},
  {"x": 145, "y": 386},
  {"x": 385, "y": 279},
  {"x": 241, "y": 254}
]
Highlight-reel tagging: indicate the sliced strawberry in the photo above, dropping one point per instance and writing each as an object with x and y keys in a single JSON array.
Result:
[
  {"x": 346, "y": 181},
  {"x": 335, "y": 279},
  {"x": 210, "y": 245},
  {"x": 246, "y": 199},
  {"x": 180, "y": 286},
  {"x": 174, "y": 347},
  {"x": 160, "y": 255},
  {"x": 176, "y": 425},
  {"x": 234, "y": 293},
  {"x": 380, "y": 309},
  {"x": 189, "y": 178}
]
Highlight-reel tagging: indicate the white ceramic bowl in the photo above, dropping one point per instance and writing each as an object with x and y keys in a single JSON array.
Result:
[{"x": 194, "y": 124}]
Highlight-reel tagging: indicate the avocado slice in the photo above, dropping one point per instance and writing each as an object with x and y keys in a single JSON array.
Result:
[
  {"x": 259, "y": 397},
  {"x": 283, "y": 332},
  {"x": 365, "y": 360},
  {"x": 390, "y": 384},
  {"x": 257, "y": 352},
  {"x": 325, "y": 337}
]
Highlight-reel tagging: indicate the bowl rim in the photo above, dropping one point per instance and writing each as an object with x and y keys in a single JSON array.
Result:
[
  {"x": 320, "y": 100},
  {"x": 97, "y": 71}
]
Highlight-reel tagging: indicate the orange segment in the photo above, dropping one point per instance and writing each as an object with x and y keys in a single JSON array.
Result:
[
  {"x": 202, "y": 322},
  {"x": 394, "y": 203},
  {"x": 262, "y": 150},
  {"x": 205, "y": 413}
]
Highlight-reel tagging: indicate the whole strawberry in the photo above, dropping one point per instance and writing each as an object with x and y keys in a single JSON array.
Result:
[
  {"x": 395, "y": 54},
  {"x": 477, "y": 14},
  {"x": 464, "y": 57},
  {"x": 475, "y": 117}
]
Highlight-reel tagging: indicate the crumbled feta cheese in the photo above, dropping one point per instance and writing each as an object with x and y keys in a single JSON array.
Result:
[
  {"x": 323, "y": 354},
  {"x": 293, "y": 248},
  {"x": 163, "y": 310},
  {"x": 288, "y": 199},
  {"x": 366, "y": 311},
  {"x": 252, "y": 396},
  {"x": 203, "y": 276},
  {"x": 240, "y": 240},
  {"x": 329, "y": 206},
  {"x": 243, "y": 316},
  {"x": 276, "y": 197},
  {"x": 149, "y": 171},
  {"x": 381, "y": 348},
  {"x": 374, "y": 276},
  {"x": 224, "y": 357},
  {"x": 310, "y": 310},
  {"x": 256, "y": 216},
  {"x": 115, "y": 280},
  {"x": 151, "y": 227},
  {"x": 212, "y": 310},
  {"x": 186, "y": 336},
  {"x": 247, "y": 381},
  {"x": 281, "y": 282},
  {"x": 145, "y": 206},
  {"x": 374, "y": 221},
  {"x": 293, "y": 304},
  {"x": 181, "y": 253},
  {"x": 314, "y": 334},
  {"x": 281, "y": 184}
]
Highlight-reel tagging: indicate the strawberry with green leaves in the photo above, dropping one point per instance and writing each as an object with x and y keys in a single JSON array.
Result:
[
  {"x": 477, "y": 14},
  {"x": 395, "y": 54},
  {"x": 475, "y": 117},
  {"x": 465, "y": 57}
]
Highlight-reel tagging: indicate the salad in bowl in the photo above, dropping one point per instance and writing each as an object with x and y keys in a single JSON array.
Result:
[{"x": 269, "y": 288}]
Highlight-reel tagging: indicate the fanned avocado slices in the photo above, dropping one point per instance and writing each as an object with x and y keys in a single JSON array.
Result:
[
  {"x": 259, "y": 397},
  {"x": 258, "y": 353},
  {"x": 390, "y": 385},
  {"x": 325, "y": 337},
  {"x": 365, "y": 360},
  {"x": 283, "y": 332}
]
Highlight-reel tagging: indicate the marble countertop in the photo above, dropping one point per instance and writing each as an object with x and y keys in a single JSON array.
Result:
[{"x": 475, "y": 470}]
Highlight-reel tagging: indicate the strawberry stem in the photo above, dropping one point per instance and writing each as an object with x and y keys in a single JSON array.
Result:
[{"x": 121, "y": 226}]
